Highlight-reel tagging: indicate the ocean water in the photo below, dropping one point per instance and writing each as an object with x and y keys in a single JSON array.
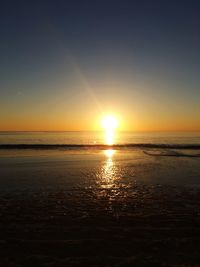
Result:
[
  {"x": 95, "y": 138},
  {"x": 32, "y": 161}
]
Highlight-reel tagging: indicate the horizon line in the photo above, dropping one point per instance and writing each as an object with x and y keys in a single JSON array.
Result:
[{"x": 139, "y": 131}]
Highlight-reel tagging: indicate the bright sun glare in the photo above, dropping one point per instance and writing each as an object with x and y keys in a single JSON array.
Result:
[{"x": 110, "y": 123}]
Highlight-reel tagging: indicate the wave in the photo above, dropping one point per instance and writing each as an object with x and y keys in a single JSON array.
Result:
[
  {"x": 99, "y": 146},
  {"x": 170, "y": 153}
]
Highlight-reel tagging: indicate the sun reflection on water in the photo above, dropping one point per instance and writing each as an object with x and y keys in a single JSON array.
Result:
[
  {"x": 109, "y": 136},
  {"x": 109, "y": 153},
  {"x": 108, "y": 171},
  {"x": 110, "y": 124}
]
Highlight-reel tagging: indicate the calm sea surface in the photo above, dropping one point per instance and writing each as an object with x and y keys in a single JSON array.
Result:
[{"x": 98, "y": 138}]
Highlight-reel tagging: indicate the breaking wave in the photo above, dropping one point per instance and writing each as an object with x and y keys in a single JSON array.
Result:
[{"x": 103, "y": 146}]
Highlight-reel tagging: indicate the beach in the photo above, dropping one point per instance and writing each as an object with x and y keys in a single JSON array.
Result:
[
  {"x": 65, "y": 201},
  {"x": 100, "y": 207},
  {"x": 136, "y": 226}
]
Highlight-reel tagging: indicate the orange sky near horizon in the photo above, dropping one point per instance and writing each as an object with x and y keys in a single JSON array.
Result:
[{"x": 93, "y": 122}]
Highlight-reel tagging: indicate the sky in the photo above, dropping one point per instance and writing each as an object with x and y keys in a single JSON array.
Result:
[{"x": 64, "y": 65}]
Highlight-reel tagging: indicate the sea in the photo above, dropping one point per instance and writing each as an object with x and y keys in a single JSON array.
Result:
[
  {"x": 34, "y": 161},
  {"x": 99, "y": 138}
]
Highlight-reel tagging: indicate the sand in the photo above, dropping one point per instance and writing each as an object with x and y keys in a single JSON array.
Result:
[{"x": 141, "y": 225}]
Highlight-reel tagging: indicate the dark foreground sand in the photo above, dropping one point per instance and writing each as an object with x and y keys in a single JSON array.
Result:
[{"x": 137, "y": 226}]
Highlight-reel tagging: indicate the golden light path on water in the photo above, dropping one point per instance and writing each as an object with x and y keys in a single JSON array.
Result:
[
  {"x": 108, "y": 170},
  {"x": 110, "y": 124},
  {"x": 108, "y": 173},
  {"x": 110, "y": 137}
]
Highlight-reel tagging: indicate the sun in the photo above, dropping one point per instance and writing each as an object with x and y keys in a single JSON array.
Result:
[{"x": 110, "y": 123}]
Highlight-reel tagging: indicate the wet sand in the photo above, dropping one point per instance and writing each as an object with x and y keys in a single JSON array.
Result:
[
  {"x": 99, "y": 208},
  {"x": 141, "y": 225}
]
